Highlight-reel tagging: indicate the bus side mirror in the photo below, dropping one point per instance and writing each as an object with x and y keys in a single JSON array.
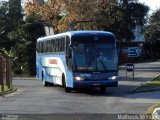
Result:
[
  {"x": 69, "y": 58},
  {"x": 70, "y": 46},
  {"x": 69, "y": 53}
]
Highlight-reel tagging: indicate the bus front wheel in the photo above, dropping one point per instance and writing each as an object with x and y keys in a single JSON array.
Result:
[
  {"x": 67, "y": 89},
  {"x": 103, "y": 89}
]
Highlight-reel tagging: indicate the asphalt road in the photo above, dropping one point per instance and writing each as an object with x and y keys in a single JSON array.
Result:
[{"x": 32, "y": 98}]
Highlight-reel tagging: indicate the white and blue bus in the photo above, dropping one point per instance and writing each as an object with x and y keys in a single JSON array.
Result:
[{"x": 78, "y": 59}]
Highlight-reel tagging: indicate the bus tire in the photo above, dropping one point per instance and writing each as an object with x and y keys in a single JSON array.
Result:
[
  {"x": 51, "y": 84},
  {"x": 67, "y": 89},
  {"x": 102, "y": 89},
  {"x": 45, "y": 83},
  {"x": 63, "y": 81}
]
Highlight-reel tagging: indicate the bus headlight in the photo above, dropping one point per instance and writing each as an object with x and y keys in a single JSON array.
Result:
[
  {"x": 112, "y": 78},
  {"x": 78, "y": 78}
]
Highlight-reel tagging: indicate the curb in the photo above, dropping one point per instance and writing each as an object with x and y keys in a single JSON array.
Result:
[
  {"x": 8, "y": 92},
  {"x": 24, "y": 78},
  {"x": 146, "y": 90}
]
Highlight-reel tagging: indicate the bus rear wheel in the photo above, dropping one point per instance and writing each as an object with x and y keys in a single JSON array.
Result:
[{"x": 45, "y": 83}]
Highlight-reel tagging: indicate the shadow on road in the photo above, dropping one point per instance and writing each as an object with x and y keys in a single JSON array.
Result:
[
  {"x": 124, "y": 88},
  {"x": 121, "y": 90}
]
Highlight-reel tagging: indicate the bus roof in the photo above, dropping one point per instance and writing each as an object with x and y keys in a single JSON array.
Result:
[{"x": 72, "y": 33}]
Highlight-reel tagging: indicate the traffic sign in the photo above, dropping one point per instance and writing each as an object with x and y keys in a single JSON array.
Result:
[
  {"x": 130, "y": 67},
  {"x": 132, "y": 52}
]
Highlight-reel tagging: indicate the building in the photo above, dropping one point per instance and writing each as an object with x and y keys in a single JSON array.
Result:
[{"x": 129, "y": 1}]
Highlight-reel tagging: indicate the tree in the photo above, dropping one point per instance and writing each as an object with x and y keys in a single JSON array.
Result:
[
  {"x": 61, "y": 12},
  {"x": 137, "y": 14},
  {"x": 4, "y": 28},
  {"x": 15, "y": 34},
  {"x": 18, "y": 37},
  {"x": 49, "y": 12},
  {"x": 152, "y": 35},
  {"x": 15, "y": 12},
  {"x": 12, "y": 38},
  {"x": 133, "y": 14},
  {"x": 108, "y": 14},
  {"x": 153, "y": 29},
  {"x": 33, "y": 30}
]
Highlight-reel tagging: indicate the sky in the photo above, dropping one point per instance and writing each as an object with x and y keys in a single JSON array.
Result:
[{"x": 153, "y": 4}]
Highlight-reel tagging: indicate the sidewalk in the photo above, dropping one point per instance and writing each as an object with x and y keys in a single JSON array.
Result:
[
  {"x": 24, "y": 78},
  {"x": 146, "y": 71},
  {"x": 143, "y": 73}
]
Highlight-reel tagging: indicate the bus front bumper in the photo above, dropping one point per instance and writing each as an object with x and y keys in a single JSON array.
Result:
[{"x": 99, "y": 83}]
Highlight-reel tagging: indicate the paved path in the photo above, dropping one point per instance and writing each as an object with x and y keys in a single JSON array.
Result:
[{"x": 33, "y": 98}]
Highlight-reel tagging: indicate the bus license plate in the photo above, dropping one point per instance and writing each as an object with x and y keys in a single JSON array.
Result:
[{"x": 96, "y": 84}]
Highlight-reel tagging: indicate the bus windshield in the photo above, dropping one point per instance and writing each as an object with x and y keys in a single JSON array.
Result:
[{"x": 94, "y": 56}]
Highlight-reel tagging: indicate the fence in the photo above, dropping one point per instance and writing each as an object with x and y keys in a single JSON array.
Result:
[{"x": 5, "y": 72}]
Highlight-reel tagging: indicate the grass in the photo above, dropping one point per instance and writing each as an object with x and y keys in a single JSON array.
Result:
[
  {"x": 153, "y": 85},
  {"x": 152, "y": 108},
  {"x": 5, "y": 89}
]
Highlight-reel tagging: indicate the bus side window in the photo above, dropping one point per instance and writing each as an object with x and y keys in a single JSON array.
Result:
[
  {"x": 56, "y": 45},
  {"x": 42, "y": 47},
  {"x": 63, "y": 42},
  {"x": 53, "y": 45},
  {"x": 49, "y": 46},
  {"x": 37, "y": 47},
  {"x": 59, "y": 45},
  {"x": 67, "y": 49},
  {"x": 46, "y": 46}
]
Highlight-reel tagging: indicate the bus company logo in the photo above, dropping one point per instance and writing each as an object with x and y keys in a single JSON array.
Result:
[{"x": 52, "y": 61}]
